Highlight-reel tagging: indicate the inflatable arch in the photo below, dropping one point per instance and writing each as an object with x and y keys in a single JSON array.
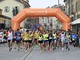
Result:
[{"x": 41, "y": 12}]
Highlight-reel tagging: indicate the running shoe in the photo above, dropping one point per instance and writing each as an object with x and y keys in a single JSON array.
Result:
[{"x": 62, "y": 49}]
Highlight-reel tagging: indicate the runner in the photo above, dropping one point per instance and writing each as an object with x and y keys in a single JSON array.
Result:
[
  {"x": 26, "y": 40},
  {"x": 14, "y": 39},
  {"x": 45, "y": 40},
  {"x": 73, "y": 35},
  {"x": 40, "y": 41},
  {"x": 58, "y": 39},
  {"x": 36, "y": 36},
  {"x": 4, "y": 36},
  {"x": 18, "y": 38},
  {"x": 10, "y": 38},
  {"x": 30, "y": 39},
  {"x": 62, "y": 39},
  {"x": 50, "y": 40},
  {"x": 55, "y": 39},
  {"x": 67, "y": 41}
]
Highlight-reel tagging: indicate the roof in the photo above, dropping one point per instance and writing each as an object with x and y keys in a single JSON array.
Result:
[
  {"x": 5, "y": 17},
  {"x": 21, "y": 1},
  {"x": 24, "y": 2}
]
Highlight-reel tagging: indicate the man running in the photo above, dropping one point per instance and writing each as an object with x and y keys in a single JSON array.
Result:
[{"x": 18, "y": 38}]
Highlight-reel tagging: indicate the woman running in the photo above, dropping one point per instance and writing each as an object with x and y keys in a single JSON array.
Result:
[
  {"x": 10, "y": 38},
  {"x": 62, "y": 39}
]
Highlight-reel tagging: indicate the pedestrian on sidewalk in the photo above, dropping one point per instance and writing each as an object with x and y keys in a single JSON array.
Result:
[{"x": 79, "y": 39}]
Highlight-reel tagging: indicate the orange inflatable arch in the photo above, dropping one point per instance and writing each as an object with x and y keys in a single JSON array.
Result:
[{"x": 40, "y": 12}]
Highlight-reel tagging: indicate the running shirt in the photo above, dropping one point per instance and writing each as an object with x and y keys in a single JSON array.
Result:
[
  {"x": 36, "y": 35},
  {"x": 4, "y": 36},
  {"x": 26, "y": 36},
  {"x": 67, "y": 37},
  {"x": 54, "y": 35},
  {"x": 45, "y": 36},
  {"x": 74, "y": 36},
  {"x": 10, "y": 35},
  {"x": 18, "y": 35},
  {"x": 40, "y": 37},
  {"x": 50, "y": 36},
  {"x": 62, "y": 37},
  {"x": 30, "y": 36}
]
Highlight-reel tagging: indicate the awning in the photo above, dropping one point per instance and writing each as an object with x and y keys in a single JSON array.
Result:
[{"x": 76, "y": 22}]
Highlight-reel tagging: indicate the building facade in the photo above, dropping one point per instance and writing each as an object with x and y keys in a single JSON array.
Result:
[
  {"x": 49, "y": 23},
  {"x": 73, "y": 10},
  {"x": 5, "y": 21},
  {"x": 0, "y": 14},
  {"x": 31, "y": 22},
  {"x": 52, "y": 22},
  {"x": 11, "y": 9}
]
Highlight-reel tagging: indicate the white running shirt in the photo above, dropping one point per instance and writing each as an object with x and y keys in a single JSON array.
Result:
[{"x": 10, "y": 35}]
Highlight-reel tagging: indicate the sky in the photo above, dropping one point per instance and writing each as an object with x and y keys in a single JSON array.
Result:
[{"x": 44, "y": 3}]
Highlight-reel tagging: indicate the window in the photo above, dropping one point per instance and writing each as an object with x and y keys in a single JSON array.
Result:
[
  {"x": 18, "y": 8},
  {"x": 78, "y": 15},
  {"x": 7, "y": 9},
  {"x": 69, "y": 10},
  {"x": 76, "y": 6},
  {"x": 72, "y": 8}
]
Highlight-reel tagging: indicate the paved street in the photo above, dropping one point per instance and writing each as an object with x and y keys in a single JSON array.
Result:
[
  {"x": 58, "y": 54},
  {"x": 35, "y": 54},
  {"x": 13, "y": 55},
  {"x": 47, "y": 22}
]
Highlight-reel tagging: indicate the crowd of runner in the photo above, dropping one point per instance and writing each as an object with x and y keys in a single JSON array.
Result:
[{"x": 46, "y": 40}]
